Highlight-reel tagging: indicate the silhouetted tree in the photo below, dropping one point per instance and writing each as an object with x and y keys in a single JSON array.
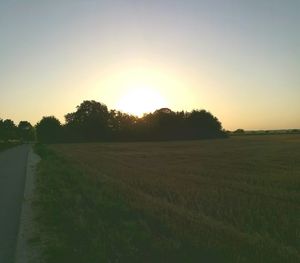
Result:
[
  {"x": 295, "y": 131},
  {"x": 165, "y": 124},
  {"x": 202, "y": 124},
  {"x": 121, "y": 125},
  {"x": 160, "y": 125},
  {"x": 1, "y": 130},
  {"x": 93, "y": 122},
  {"x": 25, "y": 131},
  {"x": 239, "y": 131},
  {"x": 49, "y": 130},
  {"x": 90, "y": 122},
  {"x": 8, "y": 130}
]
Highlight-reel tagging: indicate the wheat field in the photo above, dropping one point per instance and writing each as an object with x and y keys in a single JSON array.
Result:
[{"x": 239, "y": 195}]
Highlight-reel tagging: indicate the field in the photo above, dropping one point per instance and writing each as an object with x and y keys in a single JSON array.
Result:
[{"x": 237, "y": 199}]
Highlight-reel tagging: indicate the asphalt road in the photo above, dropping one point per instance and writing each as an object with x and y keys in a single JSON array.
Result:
[{"x": 13, "y": 164}]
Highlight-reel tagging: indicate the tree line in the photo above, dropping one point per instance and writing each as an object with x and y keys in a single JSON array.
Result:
[
  {"x": 92, "y": 121},
  {"x": 24, "y": 131}
]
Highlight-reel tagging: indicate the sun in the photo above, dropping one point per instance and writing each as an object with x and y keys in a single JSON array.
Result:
[{"x": 138, "y": 101}]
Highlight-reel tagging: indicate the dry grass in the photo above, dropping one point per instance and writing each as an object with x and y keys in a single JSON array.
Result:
[{"x": 240, "y": 195}]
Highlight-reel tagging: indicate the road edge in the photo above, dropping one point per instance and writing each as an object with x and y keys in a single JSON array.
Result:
[{"x": 23, "y": 252}]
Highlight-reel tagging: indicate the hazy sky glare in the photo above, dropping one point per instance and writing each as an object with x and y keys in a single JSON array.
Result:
[{"x": 238, "y": 59}]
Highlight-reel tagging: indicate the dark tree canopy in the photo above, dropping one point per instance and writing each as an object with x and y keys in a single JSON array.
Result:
[
  {"x": 25, "y": 131},
  {"x": 165, "y": 124},
  {"x": 121, "y": 125},
  {"x": 202, "y": 124},
  {"x": 239, "y": 131},
  {"x": 8, "y": 130},
  {"x": 93, "y": 122},
  {"x": 49, "y": 130},
  {"x": 89, "y": 122}
]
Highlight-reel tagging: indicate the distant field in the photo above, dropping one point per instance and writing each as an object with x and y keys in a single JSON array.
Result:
[{"x": 239, "y": 197}]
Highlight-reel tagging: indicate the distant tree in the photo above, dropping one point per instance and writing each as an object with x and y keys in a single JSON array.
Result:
[
  {"x": 93, "y": 122},
  {"x": 165, "y": 124},
  {"x": 164, "y": 110},
  {"x": 1, "y": 130},
  {"x": 49, "y": 130},
  {"x": 239, "y": 131},
  {"x": 8, "y": 130},
  {"x": 122, "y": 126},
  {"x": 202, "y": 124},
  {"x": 25, "y": 131},
  {"x": 90, "y": 122}
]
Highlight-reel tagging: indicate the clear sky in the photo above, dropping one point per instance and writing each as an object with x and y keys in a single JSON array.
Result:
[{"x": 239, "y": 59}]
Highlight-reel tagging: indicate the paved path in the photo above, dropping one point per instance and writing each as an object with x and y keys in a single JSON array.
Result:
[{"x": 13, "y": 163}]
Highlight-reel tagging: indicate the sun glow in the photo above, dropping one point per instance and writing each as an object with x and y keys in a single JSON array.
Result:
[{"x": 138, "y": 101}]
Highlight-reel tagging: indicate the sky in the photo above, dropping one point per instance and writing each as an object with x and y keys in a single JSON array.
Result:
[{"x": 238, "y": 59}]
